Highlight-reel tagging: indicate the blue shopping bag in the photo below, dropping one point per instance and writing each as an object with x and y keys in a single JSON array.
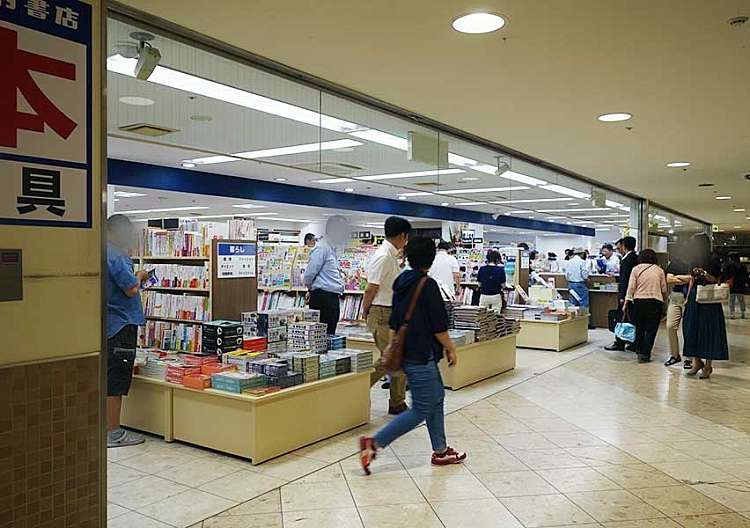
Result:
[{"x": 625, "y": 332}]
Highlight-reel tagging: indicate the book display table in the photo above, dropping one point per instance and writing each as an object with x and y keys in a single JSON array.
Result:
[
  {"x": 553, "y": 335},
  {"x": 479, "y": 361},
  {"x": 254, "y": 427}
]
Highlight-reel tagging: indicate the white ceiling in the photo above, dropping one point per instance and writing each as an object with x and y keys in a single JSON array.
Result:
[{"x": 539, "y": 83}]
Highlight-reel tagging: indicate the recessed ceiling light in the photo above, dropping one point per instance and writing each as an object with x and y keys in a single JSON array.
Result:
[
  {"x": 723, "y": 197},
  {"x": 187, "y": 165},
  {"x": 468, "y": 179},
  {"x": 136, "y": 101},
  {"x": 349, "y": 189},
  {"x": 125, "y": 194},
  {"x": 444, "y": 204},
  {"x": 737, "y": 227},
  {"x": 279, "y": 179},
  {"x": 615, "y": 117},
  {"x": 739, "y": 210},
  {"x": 676, "y": 164},
  {"x": 478, "y": 23},
  {"x": 402, "y": 197}
]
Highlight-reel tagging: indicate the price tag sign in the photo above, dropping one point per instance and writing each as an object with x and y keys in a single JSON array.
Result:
[
  {"x": 235, "y": 260},
  {"x": 45, "y": 113}
]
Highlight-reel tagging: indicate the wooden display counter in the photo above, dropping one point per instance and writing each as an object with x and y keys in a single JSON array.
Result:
[
  {"x": 600, "y": 303},
  {"x": 254, "y": 427},
  {"x": 553, "y": 335},
  {"x": 480, "y": 361}
]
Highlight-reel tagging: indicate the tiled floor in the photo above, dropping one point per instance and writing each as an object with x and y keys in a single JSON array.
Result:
[{"x": 585, "y": 438}]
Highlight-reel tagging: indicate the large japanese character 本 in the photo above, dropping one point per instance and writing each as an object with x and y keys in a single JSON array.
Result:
[{"x": 40, "y": 187}]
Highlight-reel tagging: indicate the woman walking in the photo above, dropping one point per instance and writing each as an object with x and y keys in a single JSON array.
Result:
[
  {"x": 703, "y": 326},
  {"x": 647, "y": 291},
  {"x": 426, "y": 339}
]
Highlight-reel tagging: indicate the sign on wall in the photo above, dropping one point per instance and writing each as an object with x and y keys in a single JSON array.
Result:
[
  {"x": 45, "y": 113},
  {"x": 235, "y": 260}
]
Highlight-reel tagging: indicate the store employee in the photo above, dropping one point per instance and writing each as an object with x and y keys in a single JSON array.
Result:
[
  {"x": 611, "y": 260},
  {"x": 577, "y": 274},
  {"x": 323, "y": 277}
]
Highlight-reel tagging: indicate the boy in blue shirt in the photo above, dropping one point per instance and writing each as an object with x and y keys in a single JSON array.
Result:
[{"x": 124, "y": 315}]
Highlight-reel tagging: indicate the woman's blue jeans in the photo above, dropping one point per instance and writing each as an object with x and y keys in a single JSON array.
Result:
[
  {"x": 582, "y": 289},
  {"x": 427, "y": 395}
]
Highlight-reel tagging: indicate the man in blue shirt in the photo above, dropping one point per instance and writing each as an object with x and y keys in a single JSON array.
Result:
[
  {"x": 577, "y": 274},
  {"x": 323, "y": 277},
  {"x": 124, "y": 315}
]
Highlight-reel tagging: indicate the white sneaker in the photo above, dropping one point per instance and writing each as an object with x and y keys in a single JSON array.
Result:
[{"x": 122, "y": 438}]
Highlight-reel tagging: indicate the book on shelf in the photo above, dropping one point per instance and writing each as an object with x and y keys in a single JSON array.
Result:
[
  {"x": 350, "y": 307},
  {"x": 170, "y": 336},
  {"x": 180, "y": 275},
  {"x": 174, "y": 306},
  {"x": 191, "y": 239},
  {"x": 269, "y": 300},
  {"x": 242, "y": 229}
]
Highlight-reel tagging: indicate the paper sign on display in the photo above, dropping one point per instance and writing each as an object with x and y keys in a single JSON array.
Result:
[
  {"x": 45, "y": 113},
  {"x": 235, "y": 260}
]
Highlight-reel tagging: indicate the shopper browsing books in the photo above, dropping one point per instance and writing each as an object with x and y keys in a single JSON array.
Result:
[
  {"x": 426, "y": 340},
  {"x": 124, "y": 315},
  {"x": 445, "y": 269},
  {"x": 382, "y": 270},
  {"x": 492, "y": 280},
  {"x": 323, "y": 277}
]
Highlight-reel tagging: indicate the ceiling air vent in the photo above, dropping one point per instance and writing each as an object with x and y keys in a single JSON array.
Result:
[
  {"x": 330, "y": 167},
  {"x": 146, "y": 129}
]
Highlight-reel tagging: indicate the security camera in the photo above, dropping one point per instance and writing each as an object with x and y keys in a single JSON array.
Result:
[
  {"x": 502, "y": 168},
  {"x": 148, "y": 59}
]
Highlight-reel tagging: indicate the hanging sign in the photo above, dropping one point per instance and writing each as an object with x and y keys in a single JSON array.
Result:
[
  {"x": 45, "y": 113},
  {"x": 235, "y": 260}
]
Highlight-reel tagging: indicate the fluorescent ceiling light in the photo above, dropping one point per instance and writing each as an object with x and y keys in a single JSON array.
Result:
[
  {"x": 402, "y": 197},
  {"x": 444, "y": 204},
  {"x": 737, "y": 227},
  {"x": 349, "y": 189},
  {"x": 393, "y": 176},
  {"x": 602, "y": 216},
  {"x": 299, "y": 220},
  {"x": 723, "y": 197},
  {"x": 616, "y": 205},
  {"x": 187, "y": 165},
  {"x": 213, "y": 90},
  {"x": 279, "y": 179},
  {"x": 279, "y": 151},
  {"x": 675, "y": 164},
  {"x": 249, "y": 206},
  {"x": 136, "y": 101},
  {"x": 464, "y": 204},
  {"x": 468, "y": 191},
  {"x": 475, "y": 23},
  {"x": 520, "y": 212},
  {"x": 165, "y": 210},
  {"x": 532, "y": 200},
  {"x": 615, "y": 117},
  {"x": 582, "y": 210},
  {"x": 739, "y": 210},
  {"x": 384, "y": 138},
  {"x": 123, "y": 194},
  {"x": 565, "y": 190},
  {"x": 556, "y": 217},
  {"x": 468, "y": 163}
]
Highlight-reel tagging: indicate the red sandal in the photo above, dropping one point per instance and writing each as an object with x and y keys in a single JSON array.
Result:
[
  {"x": 367, "y": 452},
  {"x": 449, "y": 456}
]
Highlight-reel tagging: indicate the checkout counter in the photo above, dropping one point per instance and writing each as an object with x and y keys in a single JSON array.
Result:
[{"x": 602, "y": 294}]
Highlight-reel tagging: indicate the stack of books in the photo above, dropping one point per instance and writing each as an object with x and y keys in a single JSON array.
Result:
[
  {"x": 176, "y": 372},
  {"x": 461, "y": 337},
  {"x": 237, "y": 382},
  {"x": 298, "y": 315},
  {"x": 308, "y": 365},
  {"x": 336, "y": 342},
  {"x": 220, "y": 337},
  {"x": 270, "y": 367},
  {"x": 283, "y": 382},
  {"x": 327, "y": 367},
  {"x": 361, "y": 360},
  {"x": 475, "y": 318},
  {"x": 307, "y": 336}
]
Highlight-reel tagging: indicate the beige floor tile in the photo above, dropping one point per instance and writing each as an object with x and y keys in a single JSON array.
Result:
[
  {"x": 502, "y": 426},
  {"x": 492, "y": 462},
  {"x": 578, "y": 479},
  {"x": 147, "y": 490},
  {"x": 400, "y": 516},
  {"x": 546, "y": 510},
  {"x": 330, "y": 450},
  {"x": 187, "y": 508},
  {"x": 385, "y": 491},
  {"x": 574, "y": 439},
  {"x": 643, "y": 523},
  {"x": 548, "y": 459},
  {"x": 343, "y": 518},
  {"x": 316, "y": 496},
  {"x": 242, "y": 485},
  {"x": 113, "y": 510},
  {"x": 267, "y": 503},
  {"x": 671, "y": 434},
  {"x": 726, "y": 520},
  {"x": 693, "y": 472},
  {"x": 733, "y": 495},
  {"x": 197, "y": 472},
  {"x": 156, "y": 460},
  {"x": 258, "y": 520},
  {"x": 602, "y": 455},
  {"x": 739, "y": 467},
  {"x": 422, "y": 466},
  {"x": 386, "y": 466},
  {"x": 475, "y": 513},
  {"x": 289, "y": 467},
  {"x": 707, "y": 448},
  {"x": 679, "y": 501},
  {"x": 118, "y": 474},
  {"x": 618, "y": 505},
  {"x": 637, "y": 476},
  {"x": 516, "y": 484},
  {"x": 523, "y": 441},
  {"x": 133, "y": 520},
  {"x": 452, "y": 487},
  {"x": 327, "y": 474},
  {"x": 550, "y": 425},
  {"x": 656, "y": 452}
]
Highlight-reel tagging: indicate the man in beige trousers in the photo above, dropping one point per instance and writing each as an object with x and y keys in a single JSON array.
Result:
[{"x": 382, "y": 270}]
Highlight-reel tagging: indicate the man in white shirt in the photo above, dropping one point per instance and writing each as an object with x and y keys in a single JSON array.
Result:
[
  {"x": 382, "y": 270},
  {"x": 445, "y": 268},
  {"x": 611, "y": 260}
]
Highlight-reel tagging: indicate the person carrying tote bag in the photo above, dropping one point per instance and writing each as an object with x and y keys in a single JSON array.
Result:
[
  {"x": 647, "y": 290},
  {"x": 421, "y": 322}
]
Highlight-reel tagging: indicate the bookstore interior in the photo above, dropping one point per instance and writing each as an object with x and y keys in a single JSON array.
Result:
[{"x": 224, "y": 168}]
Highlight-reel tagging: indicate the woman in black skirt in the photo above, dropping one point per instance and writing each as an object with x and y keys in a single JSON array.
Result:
[{"x": 703, "y": 327}]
